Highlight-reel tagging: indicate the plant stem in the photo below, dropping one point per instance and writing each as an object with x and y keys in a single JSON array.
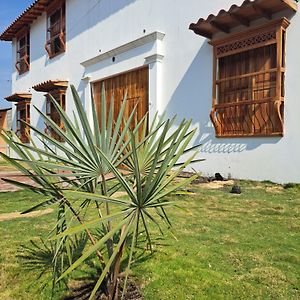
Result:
[
  {"x": 91, "y": 238},
  {"x": 110, "y": 244}
]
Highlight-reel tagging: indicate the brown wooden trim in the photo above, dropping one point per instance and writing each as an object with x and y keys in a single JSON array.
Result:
[
  {"x": 242, "y": 20},
  {"x": 58, "y": 5},
  {"x": 118, "y": 74},
  {"x": 54, "y": 6},
  {"x": 60, "y": 96},
  {"x": 248, "y": 12},
  {"x": 23, "y": 130},
  {"x": 220, "y": 27},
  {"x": 50, "y": 85},
  {"x": 259, "y": 112},
  {"x": 18, "y": 97},
  {"x": 22, "y": 32},
  {"x": 264, "y": 12},
  {"x": 247, "y": 75},
  {"x": 283, "y": 22},
  {"x": 23, "y": 62}
]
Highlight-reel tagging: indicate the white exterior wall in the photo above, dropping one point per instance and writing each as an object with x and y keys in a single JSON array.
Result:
[{"x": 180, "y": 75}]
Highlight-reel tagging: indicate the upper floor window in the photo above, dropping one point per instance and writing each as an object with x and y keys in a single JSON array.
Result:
[
  {"x": 23, "y": 115},
  {"x": 56, "y": 29},
  {"x": 248, "y": 87},
  {"x": 248, "y": 66},
  {"x": 23, "y": 52}
]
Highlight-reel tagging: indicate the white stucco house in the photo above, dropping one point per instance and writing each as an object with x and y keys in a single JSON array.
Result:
[{"x": 232, "y": 66}]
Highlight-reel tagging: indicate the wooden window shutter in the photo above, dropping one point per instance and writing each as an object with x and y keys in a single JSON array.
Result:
[
  {"x": 248, "y": 87},
  {"x": 23, "y": 115},
  {"x": 23, "y": 52},
  {"x": 51, "y": 111},
  {"x": 56, "y": 29}
]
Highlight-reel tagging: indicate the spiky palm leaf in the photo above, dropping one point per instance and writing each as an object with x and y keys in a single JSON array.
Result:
[
  {"x": 146, "y": 194},
  {"x": 78, "y": 167}
]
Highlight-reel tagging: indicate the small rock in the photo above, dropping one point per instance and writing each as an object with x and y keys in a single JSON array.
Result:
[
  {"x": 219, "y": 177},
  {"x": 236, "y": 189},
  {"x": 199, "y": 180}
]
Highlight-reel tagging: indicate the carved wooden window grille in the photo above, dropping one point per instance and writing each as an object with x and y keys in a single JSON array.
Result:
[
  {"x": 56, "y": 29},
  {"x": 23, "y": 52},
  {"x": 248, "y": 89},
  {"x": 53, "y": 114},
  {"x": 23, "y": 115}
]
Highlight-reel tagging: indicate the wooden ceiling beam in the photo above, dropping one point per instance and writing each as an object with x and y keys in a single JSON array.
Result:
[
  {"x": 203, "y": 33},
  {"x": 200, "y": 31},
  {"x": 265, "y": 13},
  {"x": 220, "y": 27},
  {"x": 242, "y": 20}
]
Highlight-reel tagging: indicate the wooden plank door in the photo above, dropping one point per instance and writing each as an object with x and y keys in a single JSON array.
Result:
[{"x": 134, "y": 83}]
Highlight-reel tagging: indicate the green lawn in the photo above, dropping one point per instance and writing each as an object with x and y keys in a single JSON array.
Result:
[
  {"x": 4, "y": 166},
  {"x": 228, "y": 246}
]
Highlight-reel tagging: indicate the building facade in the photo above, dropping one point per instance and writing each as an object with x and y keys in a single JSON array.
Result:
[{"x": 231, "y": 66}]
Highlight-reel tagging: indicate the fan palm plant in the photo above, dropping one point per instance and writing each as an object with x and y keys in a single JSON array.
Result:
[{"x": 89, "y": 164}]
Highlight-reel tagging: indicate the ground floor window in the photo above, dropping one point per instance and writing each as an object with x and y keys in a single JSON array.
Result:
[
  {"x": 52, "y": 113},
  {"x": 55, "y": 89},
  {"x": 23, "y": 115}
]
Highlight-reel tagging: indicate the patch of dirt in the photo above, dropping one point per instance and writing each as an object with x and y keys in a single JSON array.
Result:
[
  {"x": 277, "y": 189},
  {"x": 81, "y": 290},
  {"x": 217, "y": 184},
  {"x": 119, "y": 194},
  {"x": 18, "y": 215},
  {"x": 17, "y": 176}
]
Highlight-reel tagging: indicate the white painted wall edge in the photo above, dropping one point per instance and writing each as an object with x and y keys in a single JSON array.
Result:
[{"x": 154, "y": 36}]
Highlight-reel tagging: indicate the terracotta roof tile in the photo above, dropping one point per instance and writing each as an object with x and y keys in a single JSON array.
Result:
[
  {"x": 247, "y": 12},
  {"x": 30, "y": 14}
]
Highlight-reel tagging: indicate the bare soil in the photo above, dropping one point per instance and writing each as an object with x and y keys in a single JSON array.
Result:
[
  {"x": 18, "y": 215},
  {"x": 81, "y": 290}
]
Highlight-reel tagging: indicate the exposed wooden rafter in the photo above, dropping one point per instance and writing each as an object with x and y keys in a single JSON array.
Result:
[
  {"x": 220, "y": 27},
  {"x": 50, "y": 85},
  {"x": 248, "y": 12},
  {"x": 35, "y": 10},
  {"x": 242, "y": 20},
  {"x": 18, "y": 97},
  {"x": 264, "y": 12}
]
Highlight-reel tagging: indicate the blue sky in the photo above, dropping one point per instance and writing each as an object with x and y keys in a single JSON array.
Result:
[{"x": 9, "y": 10}]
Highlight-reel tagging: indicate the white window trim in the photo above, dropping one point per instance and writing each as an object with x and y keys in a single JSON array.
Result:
[{"x": 146, "y": 50}]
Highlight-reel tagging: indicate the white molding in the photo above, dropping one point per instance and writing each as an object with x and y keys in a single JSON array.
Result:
[
  {"x": 86, "y": 78},
  {"x": 152, "y": 37},
  {"x": 153, "y": 59}
]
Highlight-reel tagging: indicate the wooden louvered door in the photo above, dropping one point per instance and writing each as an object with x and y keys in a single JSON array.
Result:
[{"x": 135, "y": 84}]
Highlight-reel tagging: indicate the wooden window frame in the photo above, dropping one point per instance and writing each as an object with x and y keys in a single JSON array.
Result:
[
  {"x": 60, "y": 96},
  {"x": 23, "y": 53},
  {"x": 273, "y": 33},
  {"x": 23, "y": 130},
  {"x": 59, "y": 35}
]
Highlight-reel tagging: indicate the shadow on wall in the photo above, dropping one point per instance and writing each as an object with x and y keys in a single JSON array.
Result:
[
  {"x": 40, "y": 124},
  {"x": 87, "y": 15},
  {"x": 97, "y": 11},
  {"x": 193, "y": 99}
]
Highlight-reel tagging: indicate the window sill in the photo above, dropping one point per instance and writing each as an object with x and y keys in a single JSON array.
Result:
[
  {"x": 24, "y": 72},
  {"x": 254, "y": 135},
  {"x": 56, "y": 54}
]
